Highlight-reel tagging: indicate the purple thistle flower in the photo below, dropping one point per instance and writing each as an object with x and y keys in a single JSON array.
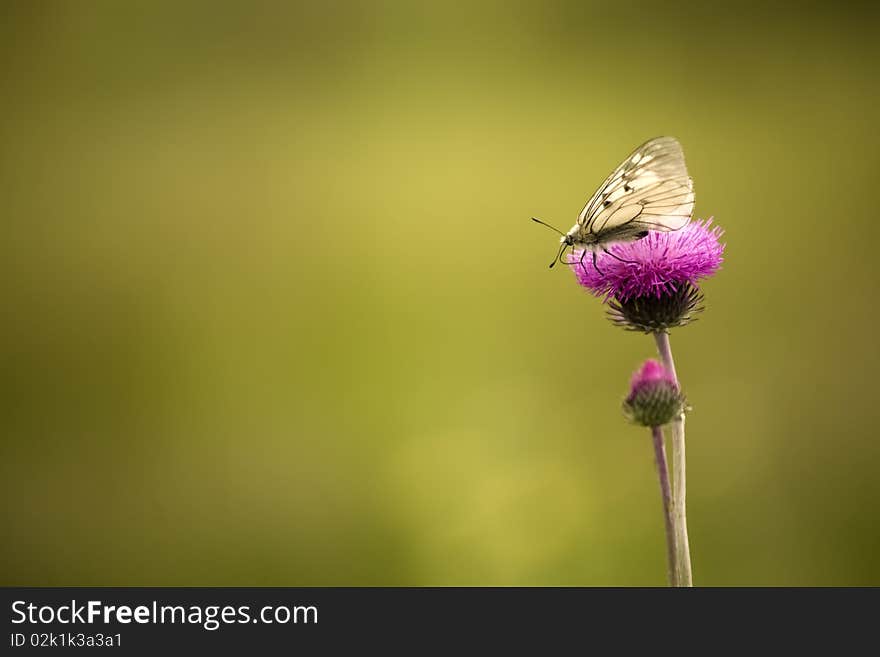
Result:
[
  {"x": 654, "y": 396},
  {"x": 650, "y": 285},
  {"x": 659, "y": 264}
]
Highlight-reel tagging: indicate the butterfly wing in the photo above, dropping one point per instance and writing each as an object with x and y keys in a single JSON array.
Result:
[{"x": 650, "y": 190}]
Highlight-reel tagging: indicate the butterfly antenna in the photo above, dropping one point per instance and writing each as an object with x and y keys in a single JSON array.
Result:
[
  {"x": 561, "y": 248},
  {"x": 544, "y": 223}
]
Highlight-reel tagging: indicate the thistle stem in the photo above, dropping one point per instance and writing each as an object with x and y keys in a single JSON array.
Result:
[
  {"x": 663, "y": 473},
  {"x": 683, "y": 572}
]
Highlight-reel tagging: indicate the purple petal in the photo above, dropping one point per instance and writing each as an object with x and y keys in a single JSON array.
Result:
[{"x": 657, "y": 263}]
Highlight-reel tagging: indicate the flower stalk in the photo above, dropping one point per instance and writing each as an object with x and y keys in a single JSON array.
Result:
[
  {"x": 683, "y": 569},
  {"x": 655, "y": 399},
  {"x": 665, "y": 493}
]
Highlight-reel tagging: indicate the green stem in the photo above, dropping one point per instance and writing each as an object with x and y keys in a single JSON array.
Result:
[
  {"x": 684, "y": 574},
  {"x": 663, "y": 474}
]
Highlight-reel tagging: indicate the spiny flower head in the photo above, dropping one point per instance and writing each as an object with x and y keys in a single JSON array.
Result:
[
  {"x": 656, "y": 265},
  {"x": 654, "y": 396}
]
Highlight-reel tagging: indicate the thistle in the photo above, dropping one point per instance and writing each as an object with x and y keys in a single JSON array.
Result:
[{"x": 652, "y": 285}]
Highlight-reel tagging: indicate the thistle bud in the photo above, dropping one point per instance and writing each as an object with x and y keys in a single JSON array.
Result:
[{"x": 654, "y": 397}]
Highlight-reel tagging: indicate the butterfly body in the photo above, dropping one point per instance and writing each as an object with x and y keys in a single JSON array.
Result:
[
  {"x": 649, "y": 190},
  {"x": 591, "y": 241}
]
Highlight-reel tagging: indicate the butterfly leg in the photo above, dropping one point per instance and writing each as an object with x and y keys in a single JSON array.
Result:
[
  {"x": 633, "y": 262},
  {"x": 595, "y": 264},
  {"x": 581, "y": 262}
]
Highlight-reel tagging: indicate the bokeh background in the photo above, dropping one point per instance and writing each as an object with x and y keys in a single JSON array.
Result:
[{"x": 274, "y": 312}]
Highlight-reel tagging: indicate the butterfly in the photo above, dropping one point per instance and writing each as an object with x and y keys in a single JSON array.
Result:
[{"x": 650, "y": 190}]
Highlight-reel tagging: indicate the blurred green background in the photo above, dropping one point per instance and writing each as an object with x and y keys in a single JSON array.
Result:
[{"x": 274, "y": 312}]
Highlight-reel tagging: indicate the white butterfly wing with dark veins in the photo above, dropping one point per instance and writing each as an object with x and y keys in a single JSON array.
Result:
[{"x": 650, "y": 190}]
